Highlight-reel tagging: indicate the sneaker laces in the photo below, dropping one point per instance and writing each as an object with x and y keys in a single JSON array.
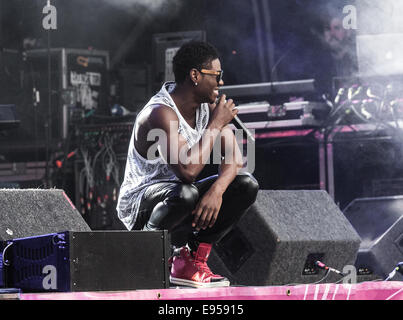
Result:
[{"x": 201, "y": 264}]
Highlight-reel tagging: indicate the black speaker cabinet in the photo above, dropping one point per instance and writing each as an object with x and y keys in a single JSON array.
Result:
[
  {"x": 88, "y": 261},
  {"x": 379, "y": 222},
  {"x": 33, "y": 212},
  {"x": 282, "y": 235}
]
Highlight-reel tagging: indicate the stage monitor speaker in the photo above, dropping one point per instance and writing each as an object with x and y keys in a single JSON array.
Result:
[
  {"x": 32, "y": 212},
  {"x": 279, "y": 239},
  {"x": 379, "y": 222},
  {"x": 88, "y": 261}
]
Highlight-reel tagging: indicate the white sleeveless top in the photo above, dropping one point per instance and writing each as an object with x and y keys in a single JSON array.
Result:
[{"x": 140, "y": 172}]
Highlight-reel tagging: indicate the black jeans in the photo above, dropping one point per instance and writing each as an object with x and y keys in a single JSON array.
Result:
[{"x": 169, "y": 206}]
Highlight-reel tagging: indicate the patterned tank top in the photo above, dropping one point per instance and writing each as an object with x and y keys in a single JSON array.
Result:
[{"x": 140, "y": 172}]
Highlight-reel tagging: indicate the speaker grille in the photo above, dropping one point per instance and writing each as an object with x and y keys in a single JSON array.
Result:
[{"x": 32, "y": 212}]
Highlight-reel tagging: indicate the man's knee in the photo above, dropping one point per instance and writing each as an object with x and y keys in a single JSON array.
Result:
[
  {"x": 185, "y": 195},
  {"x": 178, "y": 204},
  {"x": 247, "y": 187}
]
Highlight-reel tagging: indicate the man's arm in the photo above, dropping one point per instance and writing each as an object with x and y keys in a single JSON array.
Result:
[
  {"x": 231, "y": 163},
  {"x": 206, "y": 212},
  {"x": 187, "y": 162}
]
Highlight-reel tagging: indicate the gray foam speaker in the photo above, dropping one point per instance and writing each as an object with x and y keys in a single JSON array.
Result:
[
  {"x": 282, "y": 235},
  {"x": 33, "y": 212},
  {"x": 379, "y": 222}
]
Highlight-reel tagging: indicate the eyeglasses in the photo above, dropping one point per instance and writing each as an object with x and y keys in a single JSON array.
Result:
[{"x": 218, "y": 74}]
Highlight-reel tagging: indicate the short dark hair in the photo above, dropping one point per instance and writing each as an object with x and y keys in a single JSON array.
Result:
[{"x": 193, "y": 54}]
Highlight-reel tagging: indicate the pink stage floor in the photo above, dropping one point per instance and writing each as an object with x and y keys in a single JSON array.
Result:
[{"x": 380, "y": 290}]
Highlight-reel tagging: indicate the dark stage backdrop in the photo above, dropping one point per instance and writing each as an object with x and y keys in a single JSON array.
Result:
[{"x": 234, "y": 29}]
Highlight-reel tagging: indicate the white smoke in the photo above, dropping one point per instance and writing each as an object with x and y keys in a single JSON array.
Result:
[
  {"x": 380, "y": 42},
  {"x": 380, "y": 16}
]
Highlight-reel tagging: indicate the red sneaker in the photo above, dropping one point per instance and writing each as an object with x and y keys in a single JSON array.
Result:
[{"x": 192, "y": 269}]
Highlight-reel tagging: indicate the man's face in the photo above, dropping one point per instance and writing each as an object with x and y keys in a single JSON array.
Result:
[
  {"x": 335, "y": 34},
  {"x": 208, "y": 85}
]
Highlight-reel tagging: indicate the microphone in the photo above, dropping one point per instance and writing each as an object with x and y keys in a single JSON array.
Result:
[{"x": 240, "y": 125}]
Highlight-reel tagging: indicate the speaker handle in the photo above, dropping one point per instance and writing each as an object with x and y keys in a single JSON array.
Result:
[{"x": 6, "y": 262}]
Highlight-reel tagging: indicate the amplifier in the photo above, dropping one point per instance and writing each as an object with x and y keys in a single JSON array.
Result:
[
  {"x": 22, "y": 174},
  {"x": 269, "y": 88},
  {"x": 263, "y": 115},
  {"x": 88, "y": 261}
]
